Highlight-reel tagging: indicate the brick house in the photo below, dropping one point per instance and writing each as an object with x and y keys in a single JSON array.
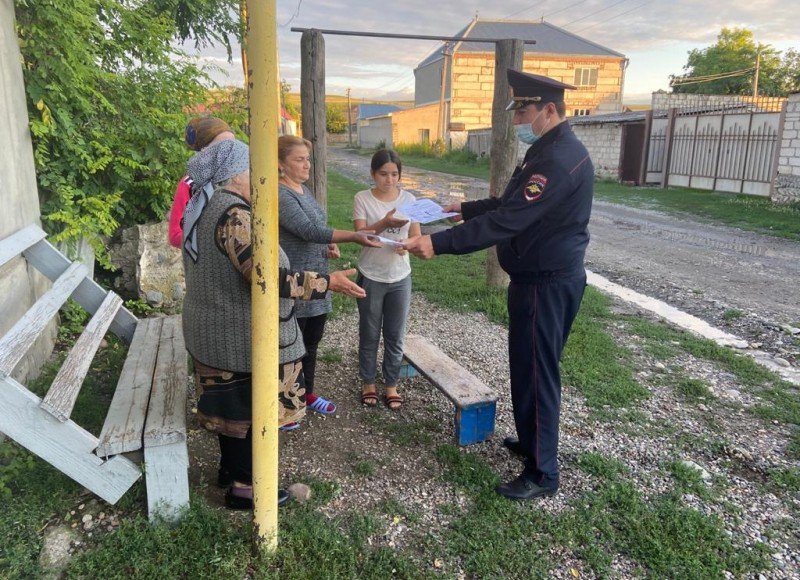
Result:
[{"x": 597, "y": 71}]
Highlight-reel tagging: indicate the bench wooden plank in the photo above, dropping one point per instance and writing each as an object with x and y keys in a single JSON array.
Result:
[
  {"x": 49, "y": 261},
  {"x": 167, "y": 480},
  {"x": 65, "y": 446},
  {"x": 19, "y": 241},
  {"x": 24, "y": 333},
  {"x": 457, "y": 383},
  {"x": 166, "y": 416},
  {"x": 124, "y": 425},
  {"x": 61, "y": 397}
]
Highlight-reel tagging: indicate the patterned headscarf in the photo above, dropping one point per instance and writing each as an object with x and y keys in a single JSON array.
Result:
[
  {"x": 201, "y": 131},
  {"x": 213, "y": 165}
]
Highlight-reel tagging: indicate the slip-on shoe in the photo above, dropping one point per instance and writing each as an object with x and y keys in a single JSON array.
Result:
[{"x": 523, "y": 488}]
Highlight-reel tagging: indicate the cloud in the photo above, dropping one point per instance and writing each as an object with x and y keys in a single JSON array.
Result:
[{"x": 633, "y": 27}]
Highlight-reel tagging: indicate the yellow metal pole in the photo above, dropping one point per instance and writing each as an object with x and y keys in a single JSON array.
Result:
[{"x": 262, "y": 49}]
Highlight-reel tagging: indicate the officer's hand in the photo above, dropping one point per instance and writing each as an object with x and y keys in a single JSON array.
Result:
[
  {"x": 342, "y": 284},
  {"x": 420, "y": 246},
  {"x": 456, "y": 207}
]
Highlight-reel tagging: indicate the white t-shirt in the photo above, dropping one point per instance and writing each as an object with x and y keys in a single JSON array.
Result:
[{"x": 382, "y": 264}]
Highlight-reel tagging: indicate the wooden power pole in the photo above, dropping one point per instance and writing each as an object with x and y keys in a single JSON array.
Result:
[
  {"x": 508, "y": 54},
  {"x": 312, "y": 97},
  {"x": 755, "y": 76}
]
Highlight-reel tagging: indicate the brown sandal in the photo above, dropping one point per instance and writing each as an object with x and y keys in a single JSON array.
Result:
[
  {"x": 369, "y": 398},
  {"x": 391, "y": 399}
]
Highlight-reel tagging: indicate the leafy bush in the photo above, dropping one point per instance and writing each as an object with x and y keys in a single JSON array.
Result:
[{"x": 107, "y": 93}]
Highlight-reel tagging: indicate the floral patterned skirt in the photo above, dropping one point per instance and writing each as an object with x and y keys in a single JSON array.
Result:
[{"x": 224, "y": 405}]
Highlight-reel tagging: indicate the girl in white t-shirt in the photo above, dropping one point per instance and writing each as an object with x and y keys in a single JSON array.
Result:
[{"x": 385, "y": 275}]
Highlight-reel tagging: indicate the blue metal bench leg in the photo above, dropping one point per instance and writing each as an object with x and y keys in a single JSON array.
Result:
[{"x": 475, "y": 424}]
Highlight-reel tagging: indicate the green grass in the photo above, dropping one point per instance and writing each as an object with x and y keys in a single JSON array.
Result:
[
  {"x": 746, "y": 212},
  {"x": 732, "y": 314},
  {"x": 693, "y": 389},
  {"x": 661, "y": 537}
]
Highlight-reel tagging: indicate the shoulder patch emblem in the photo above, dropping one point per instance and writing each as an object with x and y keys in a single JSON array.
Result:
[{"x": 535, "y": 187}]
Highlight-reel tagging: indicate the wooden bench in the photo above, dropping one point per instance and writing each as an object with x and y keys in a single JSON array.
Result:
[
  {"x": 148, "y": 409},
  {"x": 475, "y": 403}
]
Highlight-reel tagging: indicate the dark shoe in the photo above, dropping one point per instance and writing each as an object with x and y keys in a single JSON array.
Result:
[
  {"x": 241, "y": 498},
  {"x": 513, "y": 445},
  {"x": 224, "y": 478},
  {"x": 523, "y": 488}
]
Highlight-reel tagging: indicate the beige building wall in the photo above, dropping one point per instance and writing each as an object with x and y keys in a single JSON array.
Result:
[
  {"x": 410, "y": 125},
  {"x": 473, "y": 84}
]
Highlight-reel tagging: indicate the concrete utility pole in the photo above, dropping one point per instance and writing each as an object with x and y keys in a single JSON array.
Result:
[
  {"x": 508, "y": 54},
  {"x": 755, "y": 76},
  {"x": 262, "y": 34},
  {"x": 312, "y": 96},
  {"x": 349, "y": 120},
  {"x": 442, "y": 114}
]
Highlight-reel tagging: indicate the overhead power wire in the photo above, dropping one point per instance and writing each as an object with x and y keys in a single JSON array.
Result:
[
  {"x": 593, "y": 13},
  {"x": 634, "y": 9},
  {"x": 525, "y": 9}
]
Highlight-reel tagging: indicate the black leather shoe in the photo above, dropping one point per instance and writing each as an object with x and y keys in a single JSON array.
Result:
[
  {"x": 523, "y": 488},
  {"x": 513, "y": 445},
  {"x": 238, "y": 502}
]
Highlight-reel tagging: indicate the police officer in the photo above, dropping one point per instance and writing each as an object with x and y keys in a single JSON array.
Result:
[{"x": 539, "y": 225}]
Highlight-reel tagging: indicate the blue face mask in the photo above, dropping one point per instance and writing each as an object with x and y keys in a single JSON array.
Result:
[{"x": 525, "y": 133}]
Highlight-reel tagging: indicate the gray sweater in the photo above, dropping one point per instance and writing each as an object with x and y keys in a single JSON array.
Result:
[{"x": 304, "y": 236}]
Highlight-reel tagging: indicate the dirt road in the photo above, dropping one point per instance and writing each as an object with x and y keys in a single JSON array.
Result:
[{"x": 746, "y": 283}]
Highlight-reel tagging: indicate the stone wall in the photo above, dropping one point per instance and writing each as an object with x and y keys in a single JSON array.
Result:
[
  {"x": 787, "y": 181},
  {"x": 373, "y": 131},
  {"x": 20, "y": 285},
  {"x": 407, "y": 124},
  {"x": 604, "y": 142},
  {"x": 149, "y": 268},
  {"x": 473, "y": 84}
]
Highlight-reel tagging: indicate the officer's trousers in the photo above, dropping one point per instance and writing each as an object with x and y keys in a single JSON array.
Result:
[{"x": 541, "y": 309}]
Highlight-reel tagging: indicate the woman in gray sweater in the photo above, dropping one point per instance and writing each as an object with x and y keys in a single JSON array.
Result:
[{"x": 309, "y": 243}]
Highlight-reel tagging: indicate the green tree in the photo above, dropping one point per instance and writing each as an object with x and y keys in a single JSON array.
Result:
[
  {"x": 735, "y": 50},
  {"x": 335, "y": 119},
  {"x": 290, "y": 107},
  {"x": 107, "y": 99},
  {"x": 791, "y": 68}
]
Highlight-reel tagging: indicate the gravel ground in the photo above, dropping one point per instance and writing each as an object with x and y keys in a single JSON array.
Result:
[{"x": 375, "y": 455}]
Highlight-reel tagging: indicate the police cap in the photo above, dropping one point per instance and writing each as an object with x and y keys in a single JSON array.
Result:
[{"x": 529, "y": 88}]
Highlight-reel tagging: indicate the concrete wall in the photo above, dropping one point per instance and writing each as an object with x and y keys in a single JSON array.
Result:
[
  {"x": 661, "y": 101},
  {"x": 787, "y": 181},
  {"x": 604, "y": 142},
  {"x": 19, "y": 285},
  {"x": 406, "y": 125},
  {"x": 375, "y": 130}
]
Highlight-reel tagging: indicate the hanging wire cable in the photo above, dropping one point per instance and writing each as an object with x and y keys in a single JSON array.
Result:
[
  {"x": 535, "y": 4},
  {"x": 570, "y": 23},
  {"x": 634, "y": 9},
  {"x": 295, "y": 15},
  {"x": 548, "y": 15},
  {"x": 710, "y": 78}
]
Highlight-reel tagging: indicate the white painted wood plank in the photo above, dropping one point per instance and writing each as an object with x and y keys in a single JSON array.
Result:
[
  {"x": 456, "y": 382},
  {"x": 19, "y": 241},
  {"x": 49, "y": 261},
  {"x": 22, "y": 335},
  {"x": 122, "y": 431},
  {"x": 166, "y": 415},
  {"x": 60, "y": 399},
  {"x": 167, "y": 480},
  {"x": 65, "y": 446}
]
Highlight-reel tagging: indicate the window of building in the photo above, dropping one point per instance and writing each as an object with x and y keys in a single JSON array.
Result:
[
  {"x": 424, "y": 136},
  {"x": 581, "y": 112},
  {"x": 585, "y": 77}
]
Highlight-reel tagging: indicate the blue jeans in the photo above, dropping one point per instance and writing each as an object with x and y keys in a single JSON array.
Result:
[{"x": 385, "y": 307}]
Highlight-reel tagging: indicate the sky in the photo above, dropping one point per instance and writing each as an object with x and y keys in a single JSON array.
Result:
[{"x": 655, "y": 35}]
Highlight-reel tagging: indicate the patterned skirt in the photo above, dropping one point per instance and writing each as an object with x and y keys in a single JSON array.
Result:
[{"x": 224, "y": 405}]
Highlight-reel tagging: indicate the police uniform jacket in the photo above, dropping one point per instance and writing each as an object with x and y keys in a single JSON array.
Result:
[{"x": 540, "y": 223}]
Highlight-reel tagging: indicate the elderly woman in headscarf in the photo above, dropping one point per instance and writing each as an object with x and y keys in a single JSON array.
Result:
[
  {"x": 217, "y": 312},
  {"x": 200, "y": 133}
]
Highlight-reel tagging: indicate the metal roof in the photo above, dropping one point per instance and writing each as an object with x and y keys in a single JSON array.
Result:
[
  {"x": 549, "y": 39},
  {"x": 372, "y": 110}
]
